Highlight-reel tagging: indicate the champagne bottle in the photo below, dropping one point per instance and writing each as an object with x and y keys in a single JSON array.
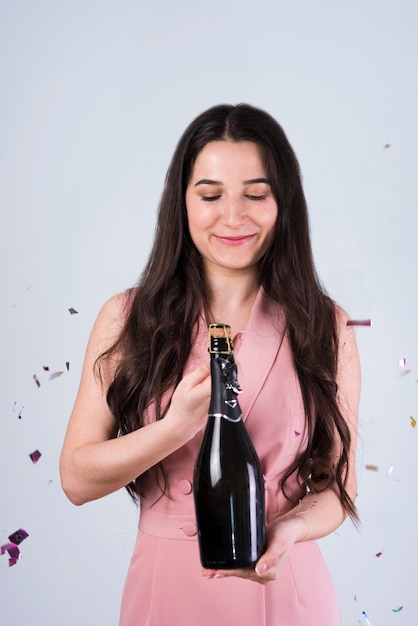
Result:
[{"x": 228, "y": 480}]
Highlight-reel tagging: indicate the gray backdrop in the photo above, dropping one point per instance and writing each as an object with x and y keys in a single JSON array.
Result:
[{"x": 94, "y": 96}]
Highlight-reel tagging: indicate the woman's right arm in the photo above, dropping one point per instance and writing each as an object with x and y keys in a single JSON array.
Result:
[{"x": 94, "y": 461}]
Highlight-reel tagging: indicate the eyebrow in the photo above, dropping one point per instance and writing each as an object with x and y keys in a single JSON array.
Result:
[{"x": 251, "y": 181}]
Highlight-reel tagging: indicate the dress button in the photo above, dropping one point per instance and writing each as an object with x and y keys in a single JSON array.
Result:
[
  {"x": 184, "y": 486},
  {"x": 189, "y": 529}
]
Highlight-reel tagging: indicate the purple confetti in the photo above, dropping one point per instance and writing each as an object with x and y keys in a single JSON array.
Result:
[
  {"x": 72, "y": 311},
  {"x": 359, "y": 322},
  {"x": 35, "y": 456},
  {"x": 18, "y": 536},
  {"x": 67, "y": 365},
  {"x": 36, "y": 379},
  {"x": 46, "y": 368}
]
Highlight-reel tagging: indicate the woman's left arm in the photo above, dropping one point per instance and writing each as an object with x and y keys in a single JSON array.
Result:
[{"x": 317, "y": 514}]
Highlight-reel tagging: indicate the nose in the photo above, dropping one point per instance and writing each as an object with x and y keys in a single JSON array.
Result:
[{"x": 234, "y": 212}]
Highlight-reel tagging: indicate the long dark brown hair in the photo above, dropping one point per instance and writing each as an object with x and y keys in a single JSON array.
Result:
[{"x": 157, "y": 337}]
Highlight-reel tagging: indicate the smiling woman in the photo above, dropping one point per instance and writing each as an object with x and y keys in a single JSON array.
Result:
[
  {"x": 231, "y": 209},
  {"x": 232, "y": 246}
]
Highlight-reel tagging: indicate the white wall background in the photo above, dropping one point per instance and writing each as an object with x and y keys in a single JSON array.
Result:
[{"x": 94, "y": 96}]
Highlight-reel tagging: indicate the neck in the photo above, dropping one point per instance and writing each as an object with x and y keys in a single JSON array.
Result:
[{"x": 230, "y": 299}]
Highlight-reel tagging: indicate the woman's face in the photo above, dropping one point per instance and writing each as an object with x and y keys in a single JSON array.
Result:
[{"x": 230, "y": 206}]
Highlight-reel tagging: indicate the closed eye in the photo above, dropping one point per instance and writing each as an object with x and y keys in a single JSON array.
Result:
[
  {"x": 250, "y": 197},
  {"x": 210, "y": 198}
]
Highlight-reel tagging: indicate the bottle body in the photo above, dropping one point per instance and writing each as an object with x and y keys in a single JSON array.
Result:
[{"x": 228, "y": 480}]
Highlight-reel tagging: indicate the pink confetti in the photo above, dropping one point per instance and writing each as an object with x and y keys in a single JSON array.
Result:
[
  {"x": 297, "y": 434},
  {"x": 379, "y": 554},
  {"x": 36, "y": 379},
  {"x": 72, "y": 311},
  {"x": 56, "y": 375},
  {"x": 35, "y": 456},
  {"x": 12, "y": 550},
  {"x": 359, "y": 322}
]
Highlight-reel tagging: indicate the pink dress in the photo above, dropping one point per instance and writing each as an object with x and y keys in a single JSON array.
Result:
[{"x": 164, "y": 585}]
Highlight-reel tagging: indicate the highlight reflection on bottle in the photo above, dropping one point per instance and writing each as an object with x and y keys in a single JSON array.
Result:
[{"x": 228, "y": 480}]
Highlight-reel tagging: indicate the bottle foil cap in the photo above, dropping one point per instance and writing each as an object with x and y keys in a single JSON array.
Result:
[{"x": 220, "y": 339}]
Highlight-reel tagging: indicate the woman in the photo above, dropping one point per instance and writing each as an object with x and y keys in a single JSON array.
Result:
[{"x": 231, "y": 246}]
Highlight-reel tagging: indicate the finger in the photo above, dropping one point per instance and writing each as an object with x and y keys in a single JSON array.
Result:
[
  {"x": 225, "y": 573},
  {"x": 198, "y": 376}
]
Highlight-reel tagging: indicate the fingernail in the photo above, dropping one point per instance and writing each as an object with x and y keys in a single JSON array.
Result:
[
  {"x": 261, "y": 569},
  {"x": 219, "y": 576}
]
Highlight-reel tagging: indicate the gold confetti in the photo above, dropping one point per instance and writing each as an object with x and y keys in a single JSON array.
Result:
[
  {"x": 372, "y": 468},
  {"x": 413, "y": 422},
  {"x": 55, "y": 375}
]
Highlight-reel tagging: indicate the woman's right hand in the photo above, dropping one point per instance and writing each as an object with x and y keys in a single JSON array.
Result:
[{"x": 190, "y": 402}]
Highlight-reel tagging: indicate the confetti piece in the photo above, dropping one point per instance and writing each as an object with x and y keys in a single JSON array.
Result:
[
  {"x": 297, "y": 434},
  {"x": 366, "y": 619},
  {"x": 12, "y": 550},
  {"x": 20, "y": 412},
  {"x": 397, "y": 610},
  {"x": 67, "y": 365},
  {"x": 372, "y": 468},
  {"x": 18, "y": 536},
  {"x": 413, "y": 422},
  {"x": 402, "y": 362},
  {"x": 405, "y": 372},
  {"x": 46, "y": 368},
  {"x": 35, "y": 456},
  {"x": 35, "y": 378},
  {"x": 390, "y": 470},
  {"x": 72, "y": 311},
  {"x": 387, "y": 145},
  {"x": 359, "y": 322},
  {"x": 379, "y": 554},
  {"x": 55, "y": 375}
]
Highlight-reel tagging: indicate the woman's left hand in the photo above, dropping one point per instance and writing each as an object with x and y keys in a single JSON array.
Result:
[{"x": 281, "y": 536}]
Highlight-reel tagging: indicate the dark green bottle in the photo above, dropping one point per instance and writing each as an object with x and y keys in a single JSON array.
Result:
[{"x": 228, "y": 480}]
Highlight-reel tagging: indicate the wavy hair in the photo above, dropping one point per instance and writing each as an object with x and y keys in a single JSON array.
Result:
[{"x": 157, "y": 337}]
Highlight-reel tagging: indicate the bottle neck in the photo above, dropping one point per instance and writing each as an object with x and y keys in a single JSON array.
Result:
[{"x": 225, "y": 387}]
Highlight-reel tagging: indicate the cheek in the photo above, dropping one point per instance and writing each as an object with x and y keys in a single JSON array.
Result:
[{"x": 270, "y": 219}]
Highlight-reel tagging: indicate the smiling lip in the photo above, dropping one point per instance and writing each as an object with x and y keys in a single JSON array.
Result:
[{"x": 235, "y": 241}]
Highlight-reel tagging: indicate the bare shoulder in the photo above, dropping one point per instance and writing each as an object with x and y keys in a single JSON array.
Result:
[
  {"x": 116, "y": 309},
  {"x": 342, "y": 317},
  {"x": 110, "y": 321},
  {"x": 348, "y": 357}
]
